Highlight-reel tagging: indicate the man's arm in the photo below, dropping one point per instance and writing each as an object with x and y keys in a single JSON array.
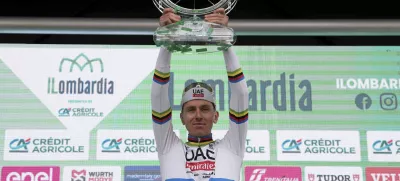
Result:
[
  {"x": 161, "y": 109},
  {"x": 235, "y": 138}
]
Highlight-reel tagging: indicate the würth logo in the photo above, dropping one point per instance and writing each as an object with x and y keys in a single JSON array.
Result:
[{"x": 78, "y": 175}]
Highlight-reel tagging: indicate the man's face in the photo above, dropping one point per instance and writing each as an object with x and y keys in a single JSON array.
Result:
[{"x": 199, "y": 116}]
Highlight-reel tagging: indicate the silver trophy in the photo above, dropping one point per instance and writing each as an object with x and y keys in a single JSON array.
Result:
[{"x": 192, "y": 34}]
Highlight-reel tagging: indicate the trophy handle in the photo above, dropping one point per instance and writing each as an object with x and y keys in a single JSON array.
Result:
[
  {"x": 192, "y": 35},
  {"x": 228, "y": 5}
]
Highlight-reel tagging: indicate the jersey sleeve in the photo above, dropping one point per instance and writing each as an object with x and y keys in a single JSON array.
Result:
[
  {"x": 164, "y": 135},
  {"x": 235, "y": 138}
]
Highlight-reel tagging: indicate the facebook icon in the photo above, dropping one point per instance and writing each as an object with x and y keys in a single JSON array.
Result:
[{"x": 363, "y": 101}]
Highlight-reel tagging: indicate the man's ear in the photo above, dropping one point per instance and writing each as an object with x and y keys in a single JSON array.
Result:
[{"x": 216, "y": 116}]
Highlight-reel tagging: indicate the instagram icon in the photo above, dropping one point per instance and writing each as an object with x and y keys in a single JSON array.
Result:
[{"x": 388, "y": 101}]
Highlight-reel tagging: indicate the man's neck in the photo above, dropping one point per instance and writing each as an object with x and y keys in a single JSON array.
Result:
[{"x": 200, "y": 139}]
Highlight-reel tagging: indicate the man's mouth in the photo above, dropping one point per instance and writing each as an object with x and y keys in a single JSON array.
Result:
[{"x": 199, "y": 124}]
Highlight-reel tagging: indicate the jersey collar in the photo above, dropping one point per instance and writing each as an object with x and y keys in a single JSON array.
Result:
[{"x": 199, "y": 140}]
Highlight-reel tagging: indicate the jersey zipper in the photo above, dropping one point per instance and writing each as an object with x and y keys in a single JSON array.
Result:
[{"x": 198, "y": 142}]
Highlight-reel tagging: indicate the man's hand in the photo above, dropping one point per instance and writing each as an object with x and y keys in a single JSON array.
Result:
[
  {"x": 218, "y": 16},
  {"x": 169, "y": 17}
]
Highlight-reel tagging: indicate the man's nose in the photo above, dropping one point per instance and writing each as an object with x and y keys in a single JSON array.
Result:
[{"x": 198, "y": 114}]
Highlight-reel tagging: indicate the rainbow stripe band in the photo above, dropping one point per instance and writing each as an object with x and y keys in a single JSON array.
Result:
[
  {"x": 239, "y": 117},
  {"x": 200, "y": 139},
  {"x": 160, "y": 77},
  {"x": 199, "y": 144},
  {"x": 236, "y": 75},
  {"x": 161, "y": 118}
]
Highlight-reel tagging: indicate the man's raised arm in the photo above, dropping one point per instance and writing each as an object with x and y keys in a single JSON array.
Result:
[
  {"x": 235, "y": 138},
  {"x": 160, "y": 103}
]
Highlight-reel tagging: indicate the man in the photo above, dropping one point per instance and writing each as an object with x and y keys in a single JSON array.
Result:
[{"x": 201, "y": 157}]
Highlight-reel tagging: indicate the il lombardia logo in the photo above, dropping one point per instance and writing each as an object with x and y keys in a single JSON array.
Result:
[
  {"x": 80, "y": 85},
  {"x": 74, "y": 63},
  {"x": 74, "y": 81}
]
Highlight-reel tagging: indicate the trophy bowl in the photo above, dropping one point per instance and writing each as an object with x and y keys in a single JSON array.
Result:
[{"x": 192, "y": 34}]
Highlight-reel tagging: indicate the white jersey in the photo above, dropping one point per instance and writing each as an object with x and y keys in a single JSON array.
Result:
[{"x": 200, "y": 158}]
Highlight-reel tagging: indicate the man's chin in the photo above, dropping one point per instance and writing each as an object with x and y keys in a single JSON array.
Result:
[{"x": 199, "y": 133}]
